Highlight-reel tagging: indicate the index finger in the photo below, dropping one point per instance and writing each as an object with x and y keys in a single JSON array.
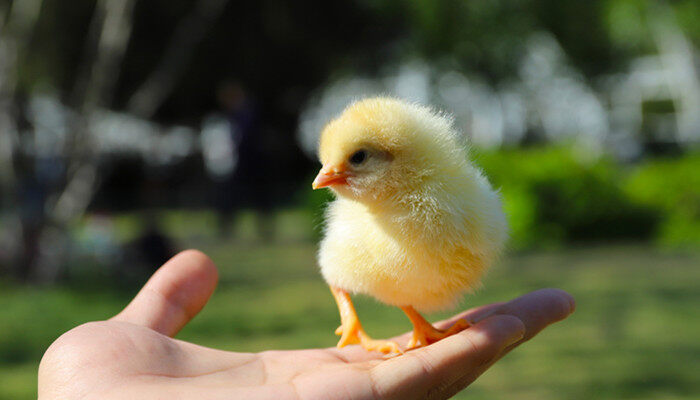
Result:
[
  {"x": 537, "y": 309},
  {"x": 444, "y": 368}
]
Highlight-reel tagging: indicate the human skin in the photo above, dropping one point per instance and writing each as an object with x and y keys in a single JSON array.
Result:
[{"x": 134, "y": 355}]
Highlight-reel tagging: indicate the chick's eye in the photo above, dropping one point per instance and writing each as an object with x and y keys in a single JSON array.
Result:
[{"x": 358, "y": 157}]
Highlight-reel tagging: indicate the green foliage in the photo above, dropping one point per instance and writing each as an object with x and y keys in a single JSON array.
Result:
[
  {"x": 673, "y": 187},
  {"x": 552, "y": 198}
]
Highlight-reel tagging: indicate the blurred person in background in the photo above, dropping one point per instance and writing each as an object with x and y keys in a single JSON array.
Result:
[
  {"x": 247, "y": 185},
  {"x": 39, "y": 173},
  {"x": 153, "y": 246},
  {"x": 32, "y": 192}
]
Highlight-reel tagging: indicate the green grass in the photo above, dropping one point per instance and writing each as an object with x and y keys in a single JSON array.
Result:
[{"x": 634, "y": 334}]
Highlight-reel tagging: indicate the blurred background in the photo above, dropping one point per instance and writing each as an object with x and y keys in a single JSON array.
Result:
[{"x": 130, "y": 130}]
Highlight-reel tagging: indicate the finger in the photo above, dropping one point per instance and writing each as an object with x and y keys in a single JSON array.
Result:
[
  {"x": 174, "y": 294},
  {"x": 536, "y": 310},
  {"x": 429, "y": 371}
]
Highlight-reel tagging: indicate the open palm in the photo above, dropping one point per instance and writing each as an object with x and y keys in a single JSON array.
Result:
[{"x": 134, "y": 356}]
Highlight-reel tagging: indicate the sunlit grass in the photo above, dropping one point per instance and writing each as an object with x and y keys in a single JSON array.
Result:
[{"x": 634, "y": 334}]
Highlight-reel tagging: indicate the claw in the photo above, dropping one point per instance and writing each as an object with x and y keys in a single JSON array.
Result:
[
  {"x": 348, "y": 337},
  {"x": 383, "y": 346},
  {"x": 369, "y": 344},
  {"x": 414, "y": 342}
]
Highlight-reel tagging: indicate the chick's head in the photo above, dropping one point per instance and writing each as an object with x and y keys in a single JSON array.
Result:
[{"x": 381, "y": 147}]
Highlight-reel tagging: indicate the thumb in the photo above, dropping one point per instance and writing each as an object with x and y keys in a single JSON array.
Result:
[{"x": 174, "y": 294}]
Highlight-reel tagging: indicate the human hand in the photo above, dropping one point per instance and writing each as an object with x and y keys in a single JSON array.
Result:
[{"x": 133, "y": 355}]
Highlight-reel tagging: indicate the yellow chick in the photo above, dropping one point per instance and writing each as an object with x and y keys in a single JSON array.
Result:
[{"x": 414, "y": 223}]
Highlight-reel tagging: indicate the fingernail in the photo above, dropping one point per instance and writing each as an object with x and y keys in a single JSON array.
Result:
[
  {"x": 515, "y": 338},
  {"x": 510, "y": 326},
  {"x": 518, "y": 333}
]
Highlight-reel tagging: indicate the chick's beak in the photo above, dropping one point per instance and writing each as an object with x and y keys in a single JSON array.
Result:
[{"x": 330, "y": 176}]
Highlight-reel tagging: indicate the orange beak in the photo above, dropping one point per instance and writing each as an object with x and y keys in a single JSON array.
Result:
[{"x": 330, "y": 176}]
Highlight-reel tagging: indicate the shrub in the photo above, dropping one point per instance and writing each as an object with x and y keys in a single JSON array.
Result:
[
  {"x": 551, "y": 198},
  {"x": 671, "y": 185}
]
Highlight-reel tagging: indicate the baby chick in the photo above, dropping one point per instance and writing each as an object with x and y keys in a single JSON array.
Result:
[{"x": 414, "y": 223}]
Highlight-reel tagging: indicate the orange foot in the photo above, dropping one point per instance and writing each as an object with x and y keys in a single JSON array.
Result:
[
  {"x": 424, "y": 333},
  {"x": 355, "y": 334},
  {"x": 351, "y": 331}
]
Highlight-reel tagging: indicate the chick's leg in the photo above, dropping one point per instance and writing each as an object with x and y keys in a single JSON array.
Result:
[
  {"x": 351, "y": 331},
  {"x": 424, "y": 333}
]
